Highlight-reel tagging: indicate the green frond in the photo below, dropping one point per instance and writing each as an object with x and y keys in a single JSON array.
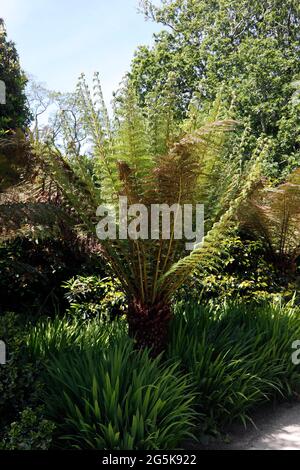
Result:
[
  {"x": 273, "y": 216},
  {"x": 95, "y": 119},
  {"x": 77, "y": 188},
  {"x": 145, "y": 155},
  {"x": 207, "y": 251}
]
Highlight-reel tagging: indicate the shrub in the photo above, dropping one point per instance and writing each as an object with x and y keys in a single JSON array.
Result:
[
  {"x": 32, "y": 273},
  {"x": 31, "y": 432},
  {"x": 239, "y": 357},
  {"x": 19, "y": 377},
  {"x": 95, "y": 297},
  {"x": 243, "y": 275},
  {"x": 103, "y": 394}
]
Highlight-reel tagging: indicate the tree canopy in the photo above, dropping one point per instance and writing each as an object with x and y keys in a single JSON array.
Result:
[
  {"x": 14, "y": 114},
  {"x": 249, "y": 49}
]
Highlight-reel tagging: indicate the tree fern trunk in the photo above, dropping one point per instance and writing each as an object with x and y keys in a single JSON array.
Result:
[{"x": 149, "y": 325}]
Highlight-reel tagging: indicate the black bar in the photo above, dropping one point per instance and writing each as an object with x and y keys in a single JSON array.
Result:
[{"x": 134, "y": 459}]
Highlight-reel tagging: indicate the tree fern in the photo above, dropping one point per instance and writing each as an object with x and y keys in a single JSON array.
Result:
[{"x": 149, "y": 158}]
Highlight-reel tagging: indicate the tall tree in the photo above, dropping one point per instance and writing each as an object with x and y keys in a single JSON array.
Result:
[
  {"x": 251, "y": 48},
  {"x": 14, "y": 114}
]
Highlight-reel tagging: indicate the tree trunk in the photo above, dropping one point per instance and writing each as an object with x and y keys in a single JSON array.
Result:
[{"x": 149, "y": 325}]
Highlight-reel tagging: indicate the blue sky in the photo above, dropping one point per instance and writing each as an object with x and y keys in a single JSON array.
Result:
[{"x": 57, "y": 40}]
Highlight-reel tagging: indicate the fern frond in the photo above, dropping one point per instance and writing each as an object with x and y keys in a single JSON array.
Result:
[
  {"x": 207, "y": 251},
  {"x": 273, "y": 216},
  {"x": 147, "y": 157},
  {"x": 99, "y": 131}
]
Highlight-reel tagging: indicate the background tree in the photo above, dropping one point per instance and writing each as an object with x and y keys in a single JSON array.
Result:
[
  {"x": 14, "y": 114},
  {"x": 250, "y": 48}
]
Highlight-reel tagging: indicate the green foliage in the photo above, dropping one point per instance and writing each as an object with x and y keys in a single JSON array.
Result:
[
  {"x": 47, "y": 338},
  {"x": 92, "y": 296},
  {"x": 19, "y": 377},
  {"x": 249, "y": 49},
  {"x": 32, "y": 272},
  {"x": 30, "y": 432},
  {"x": 239, "y": 357},
  {"x": 102, "y": 394},
  {"x": 272, "y": 215},
  {"x": 190, "y": 169},
  {"x": 15, "y": 159},
  {"x": 14, "y": 114},
  {"x": 244, "y": 274}
]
